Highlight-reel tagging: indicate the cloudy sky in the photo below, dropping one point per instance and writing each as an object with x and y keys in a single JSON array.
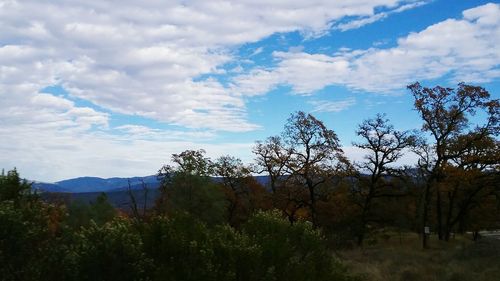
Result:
[{"x": 113, "y": 88}]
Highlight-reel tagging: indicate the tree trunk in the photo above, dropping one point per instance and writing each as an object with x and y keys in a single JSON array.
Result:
[
  {"x": 449, "y": 215},
  {"x": 313, "y": 207},
  {"x": 425, "y": 215},
  {"x": 439, "y": 213},
  {"x": 364, "y": 212}
]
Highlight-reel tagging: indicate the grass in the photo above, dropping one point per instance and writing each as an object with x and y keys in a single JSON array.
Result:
[{"x": 394, "y": 257}]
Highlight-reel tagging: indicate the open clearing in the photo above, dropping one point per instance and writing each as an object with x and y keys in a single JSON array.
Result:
[{"x": 394, "y": 259}]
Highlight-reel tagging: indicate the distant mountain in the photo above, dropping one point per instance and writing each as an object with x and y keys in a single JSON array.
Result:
[
  {"x": 87, "y": 189},
  {"x": 97, "y": 185}
]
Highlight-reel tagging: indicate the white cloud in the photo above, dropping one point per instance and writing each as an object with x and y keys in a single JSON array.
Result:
[
  {"x": 50, "y": 155},
  {"x": 357, "y": 23},
  {"x": 257, "y": 51},
  {"x": 139, "y": 132},
  {"x": 465, "y": 49},
  {"x": 144, "y": 57},
  {"x": 139, "y": 58},
  {"x": 306, "y": 73},
  {"x": 332, "y": 106}
]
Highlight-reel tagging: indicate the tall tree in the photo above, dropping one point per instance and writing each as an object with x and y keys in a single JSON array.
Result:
[
  {"x": 446, "y": 114},
  {"x": 470, "y": 180},
  {"x": 384, "y": 146},
  {"x": 315, "y": 154}
]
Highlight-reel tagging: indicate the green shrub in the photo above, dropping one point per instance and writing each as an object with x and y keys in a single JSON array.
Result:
[
  {"x": 267, "y": 248},
  {"x": 180, "y": 248},
  {"x": 30, "y": 243},
  {"x": 292, "y": 252},
  {"x": 113, "y": 251}
]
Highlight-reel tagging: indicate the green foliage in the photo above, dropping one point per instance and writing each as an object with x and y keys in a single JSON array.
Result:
[
  {"x": 81, "y": 214},
  {"x": 112, "y": 251},
  {"x": 236, "y": 256},
  {"x": 21, "y": 237},
  {"x": 30, "y": 242},
  {"x": 187, "y": 244},
  {"x": 180, "y": 247},
  {"x": 26, "y": 227},
  {"x": 12, "y": 187},
  {"x": 78, "y": 214},
  {"x": 197, "y": 196},
  {"x": 188, "y": 188},
  {"x": 268, "y": 248},
  {"x": 291, "y": 252}
]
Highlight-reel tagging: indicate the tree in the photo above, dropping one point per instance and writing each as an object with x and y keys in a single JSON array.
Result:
[
  {"x": 12, "y": 187},
  {"x": 446, "y": 114},
  {"x": 469, "y": 181},
  {"x": 304, "y": 157},
  {"x": 81, "y": 213},
  {"x": 315, "y": 154},
  {"x": 30, "y": 233},
  {"x": 384, "y": 146},
  {"x": 240, "y": 187},
  {"x": 187, "y": 187},
  {"x": 272, "y": 157}
]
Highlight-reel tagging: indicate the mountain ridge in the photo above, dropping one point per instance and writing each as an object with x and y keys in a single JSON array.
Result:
[{"x": 87, "y": 184}]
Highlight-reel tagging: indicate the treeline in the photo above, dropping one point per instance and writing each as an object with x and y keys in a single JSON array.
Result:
[
  {"x": 454, "y": 187},
  {"x": 42, "y": 241},
  {"x": 315, "y": 201}
]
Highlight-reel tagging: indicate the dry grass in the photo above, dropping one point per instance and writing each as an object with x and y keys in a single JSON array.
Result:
[{"x": 401, "y": 258}]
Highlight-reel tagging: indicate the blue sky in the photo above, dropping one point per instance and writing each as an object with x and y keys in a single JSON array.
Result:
[{"x": 100, "y": 89}]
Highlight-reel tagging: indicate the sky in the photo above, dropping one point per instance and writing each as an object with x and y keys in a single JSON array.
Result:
[{"x": 113, "y": 88}]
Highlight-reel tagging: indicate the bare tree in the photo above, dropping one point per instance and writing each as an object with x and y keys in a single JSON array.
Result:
[{"x": 133, "y": 200}]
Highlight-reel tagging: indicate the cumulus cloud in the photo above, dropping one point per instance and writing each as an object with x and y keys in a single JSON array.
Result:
[
  {"x": 148, "y": 59},
  {"x": 144, "y": 58},
  {"x": 464, "y": 49}
]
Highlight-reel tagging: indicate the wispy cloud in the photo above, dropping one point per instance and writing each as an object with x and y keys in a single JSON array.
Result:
[
  {"x": 257, "y": 51},
  {"x": 354, "y": 24},
  {"x": 332, "y": 106}
]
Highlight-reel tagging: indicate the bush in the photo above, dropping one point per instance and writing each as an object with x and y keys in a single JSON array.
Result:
[
  {"x": 30, "y": 243},
  {"x": 113, "y": 251},
  {"x": 180, "y": 248},
  {"x": 267, "y": 248},
  {"x": 292, "y": 252}
]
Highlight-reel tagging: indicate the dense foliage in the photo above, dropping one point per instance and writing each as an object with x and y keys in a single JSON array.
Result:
[{"x": 39, "y": 240}]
